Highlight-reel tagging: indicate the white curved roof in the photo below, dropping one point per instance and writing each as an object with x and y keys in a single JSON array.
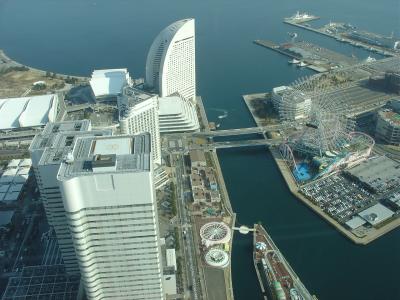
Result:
[
  {"x": 109, "y": 82},
  {"x": 177, "y": 115},
  {"x": 27, "y": 111}
]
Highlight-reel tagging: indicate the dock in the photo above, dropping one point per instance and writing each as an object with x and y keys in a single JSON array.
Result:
[
  {"x": 344, "y": 37},
  {"x": 314, "y": 57},
  {"x": 277, "y": 278}
]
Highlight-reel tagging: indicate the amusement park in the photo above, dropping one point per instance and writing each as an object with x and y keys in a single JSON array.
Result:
[{"x": 321, "y": 142}]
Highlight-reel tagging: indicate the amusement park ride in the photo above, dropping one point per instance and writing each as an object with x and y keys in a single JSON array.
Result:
[{"x": 321, "y": 144}]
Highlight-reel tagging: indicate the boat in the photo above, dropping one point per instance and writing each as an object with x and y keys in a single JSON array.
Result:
[
  {"x": 302, "y": 64},
  {"x": 370, "y": 59},
  {"x": 293, "y": 61},
  {"x": 301, "y": 17},
  {"x": 277, "y": 279}
]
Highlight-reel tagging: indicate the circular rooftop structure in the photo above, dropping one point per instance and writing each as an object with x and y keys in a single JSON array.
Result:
[
  {"x": 261, "y": 246},
  {"x": 217, "y": 258},
  {"x": 215, "y": 233}
]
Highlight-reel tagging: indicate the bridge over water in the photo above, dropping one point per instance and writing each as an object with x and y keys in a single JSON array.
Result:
[
  {"x": 233, "y": 132},
  {"x": 236, "y": 144}
]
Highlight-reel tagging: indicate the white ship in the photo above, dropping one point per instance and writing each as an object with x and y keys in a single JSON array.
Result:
[
  {"x": 370, "y": 59},
  {"x": 301, "y": 17},
  {"x": 293, "y": 61},
  {"x": 302, "y": 64}
]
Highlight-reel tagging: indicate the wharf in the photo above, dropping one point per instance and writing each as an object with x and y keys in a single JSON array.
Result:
[
  {"x": 342, "y": 38},
  {"x": 312, "y": 56},
  {"x": 291, "y": 182}
]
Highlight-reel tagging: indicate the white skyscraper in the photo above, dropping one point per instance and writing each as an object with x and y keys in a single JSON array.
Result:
[
  {"x": 170, "y": 65},
  {"x": 109, "y": 199},
  {"x": 48, "y": 150},
  {"x": 138, "y": 113}
]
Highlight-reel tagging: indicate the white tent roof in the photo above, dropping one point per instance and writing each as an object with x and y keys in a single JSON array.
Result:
[
  {"x": 27, "y": 111},
  {"x": 10, "y": 112},
  {"x": 109, "y": 82},
  {"x": 37, "y": 111}
]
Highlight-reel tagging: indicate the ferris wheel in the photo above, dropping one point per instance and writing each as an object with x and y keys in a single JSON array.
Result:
[{"x": 318, "y": 113}]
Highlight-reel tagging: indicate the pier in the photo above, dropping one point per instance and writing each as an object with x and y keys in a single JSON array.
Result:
[
  {"x": 314, "y": 57},
  {"x": 341, "y": 37}
]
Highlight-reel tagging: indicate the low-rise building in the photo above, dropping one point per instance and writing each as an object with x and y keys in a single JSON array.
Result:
[
  {"x": 195, "y": 181},
  {"x": 388, "y": 126},
  {"x": 215, "y": 196},
  {"x": 105, "y": 83},
  {"x": 290, "y": 103},
  {"x": 379, "y": 174},
  {"x": 198, "y": 196},
  {"x": 197, "y": 158},
  {"x": 177, "y": 114},
  {"x": 14, "y": 179}
]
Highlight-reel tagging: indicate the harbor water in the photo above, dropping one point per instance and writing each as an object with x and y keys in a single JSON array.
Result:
[{"x": 77, "y": 36}]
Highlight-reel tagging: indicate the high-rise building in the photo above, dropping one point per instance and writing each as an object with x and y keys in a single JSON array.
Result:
[
  {"x": 48, "y": 150},
  {"x": 109, "y": 199},
  {"x": 170, "y": 65},
  {"x": 138, "y": 113}
]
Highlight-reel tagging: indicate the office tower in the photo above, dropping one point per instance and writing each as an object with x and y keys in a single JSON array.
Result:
[
  {"x": 48, "y": 150},
  {"x": 170, "y": 65},
  {"x": 109, "y": 199},
  {"x": 138, "y": 113}
]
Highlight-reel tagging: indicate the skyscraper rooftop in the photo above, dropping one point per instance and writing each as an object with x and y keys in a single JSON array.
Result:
[{"x": 112, "y": 154}]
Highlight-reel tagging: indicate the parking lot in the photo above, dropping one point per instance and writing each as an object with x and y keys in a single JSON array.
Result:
[{"x": 338, "y": 196}]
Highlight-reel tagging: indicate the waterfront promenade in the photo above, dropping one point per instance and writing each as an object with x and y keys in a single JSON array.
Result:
[{"x": 227, "y": 272}]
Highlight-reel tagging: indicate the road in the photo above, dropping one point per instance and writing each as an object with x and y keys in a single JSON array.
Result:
[
  {"x": 236, "y": 144},
  {"x": 18, "y": 261},
  {"x": 235, "y": 131},
  {"x": 185, "y": 232}
]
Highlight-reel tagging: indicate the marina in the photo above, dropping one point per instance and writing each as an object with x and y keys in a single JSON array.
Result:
[{"x": 277, "y": 279}]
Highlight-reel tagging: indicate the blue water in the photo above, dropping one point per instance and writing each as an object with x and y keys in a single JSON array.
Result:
[
  {"x": 76, "y": 36},
  {"x": 302, "y": 172}
]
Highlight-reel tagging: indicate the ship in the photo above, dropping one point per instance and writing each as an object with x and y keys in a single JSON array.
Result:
[
  {"x": 302, "y": 64},
  {"x": 301, "y": 18},
  {"x": 293, "y": 61},
  {"x": 370, "y": 59},
  {"x": 277, "y": 279}
]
